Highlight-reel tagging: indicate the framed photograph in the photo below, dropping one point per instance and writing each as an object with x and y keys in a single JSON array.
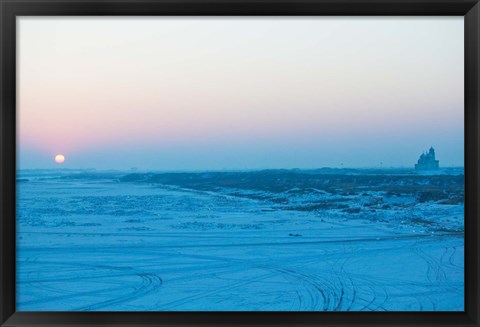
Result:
[{"x": 179, "y": 163}]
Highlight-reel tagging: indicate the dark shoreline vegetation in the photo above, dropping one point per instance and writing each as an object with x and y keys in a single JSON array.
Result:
[
  {"x": 369, "y": 194},
  {"x": 445, "y": 189},
  {"x": 387, "y": 195}
]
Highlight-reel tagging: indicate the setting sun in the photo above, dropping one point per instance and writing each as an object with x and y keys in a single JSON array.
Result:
[{"x": 59, "y": 158}]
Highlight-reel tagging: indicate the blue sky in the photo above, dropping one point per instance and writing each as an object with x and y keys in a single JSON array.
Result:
[{"x": 195, "y": 93}]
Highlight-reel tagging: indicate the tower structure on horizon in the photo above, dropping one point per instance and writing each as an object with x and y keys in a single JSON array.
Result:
[{"x": 427, "y": 161}]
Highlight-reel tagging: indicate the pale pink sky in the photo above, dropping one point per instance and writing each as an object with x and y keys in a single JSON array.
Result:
[{"x": 213, "y": 93}]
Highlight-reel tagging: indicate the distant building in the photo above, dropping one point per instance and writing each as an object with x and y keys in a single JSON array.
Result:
[{"x": 427, "y": 161}]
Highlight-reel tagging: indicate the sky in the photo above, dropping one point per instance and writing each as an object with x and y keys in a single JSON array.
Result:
[{"x": 223, "y": 93}]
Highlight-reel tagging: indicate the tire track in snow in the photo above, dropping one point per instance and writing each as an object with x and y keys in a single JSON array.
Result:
[{"x": 150, "y": 283}]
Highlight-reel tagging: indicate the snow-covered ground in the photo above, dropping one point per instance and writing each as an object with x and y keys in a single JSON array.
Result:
[{"x": 91, "y": 241}]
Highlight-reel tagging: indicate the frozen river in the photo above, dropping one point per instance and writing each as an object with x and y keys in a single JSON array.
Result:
[{"x": 104, "y": 242}]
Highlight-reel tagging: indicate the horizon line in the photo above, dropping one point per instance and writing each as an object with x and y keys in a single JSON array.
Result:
[{"x": 141, "y": 170}]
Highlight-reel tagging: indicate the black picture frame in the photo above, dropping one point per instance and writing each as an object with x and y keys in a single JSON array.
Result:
[{"x": 10, "y": 9}]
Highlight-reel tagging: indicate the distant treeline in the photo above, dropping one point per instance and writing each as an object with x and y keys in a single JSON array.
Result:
[{"x": 435, "y": 187}]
